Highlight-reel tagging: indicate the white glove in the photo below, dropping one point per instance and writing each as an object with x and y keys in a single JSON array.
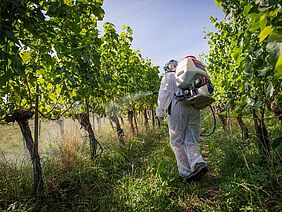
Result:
[{"x": 160, "y": 113}]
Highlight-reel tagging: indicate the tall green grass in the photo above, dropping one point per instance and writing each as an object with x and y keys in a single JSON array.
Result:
[
  {"x": 143, "y": 177},
  {"x": 249, "y": 181}
]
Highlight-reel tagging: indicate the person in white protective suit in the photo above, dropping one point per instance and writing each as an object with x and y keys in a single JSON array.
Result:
[{"x": 184, "y": 127}]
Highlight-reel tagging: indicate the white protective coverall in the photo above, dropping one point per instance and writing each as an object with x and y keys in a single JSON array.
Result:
[{"x": 184, "y": 126}]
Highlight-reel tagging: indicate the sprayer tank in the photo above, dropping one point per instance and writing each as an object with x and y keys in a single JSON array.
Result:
[{"x": 187, "y": 70}]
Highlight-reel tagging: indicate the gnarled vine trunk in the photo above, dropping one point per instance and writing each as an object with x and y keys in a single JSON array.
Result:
[
  {"x": 223, "y": 121},
  {"x": 153, "y": 118},
  {"x": 121, "y": 120},
  {"x": 135, "y": 120},
  {"x": 244, "y": 129},
  {"x": 146, "y": 119},
  {"x": 222, "y": 118},
  {"x": 93, "y": 119},
  {"x": 119, "y": 130},
  {"x": 84, "y": 121},
  {"x": 111, "y": 123},
  {"x": 21, "y": 117},
  {"x": 262, "y": 134},
  {"x": 130, "y": 120}
]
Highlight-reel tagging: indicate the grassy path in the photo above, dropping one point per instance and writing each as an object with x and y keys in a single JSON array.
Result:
[{"x": 144, "y": 178}]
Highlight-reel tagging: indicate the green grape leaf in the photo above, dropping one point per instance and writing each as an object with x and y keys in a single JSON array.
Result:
[
  {"x": 264, "y": 33},
  {"x": 25, "y": 56},
  {"x": 263, "y": 21},
  {"x": 247, "y": 9}
]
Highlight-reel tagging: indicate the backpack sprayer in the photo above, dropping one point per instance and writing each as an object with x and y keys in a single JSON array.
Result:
[
  {"x": 195, "y": 86},
  {"x": 194, "y": 83}
]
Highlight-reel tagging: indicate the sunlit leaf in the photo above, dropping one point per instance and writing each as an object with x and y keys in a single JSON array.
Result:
[
  {"x": 68, "y": 2},
  {"x": 218, "y": 2},
  {"x": 25, "y": 56},
  {"x": 263, "y": 21},
  {"x": 264, "y": 33},
  {"x": 247, "y": 9}
]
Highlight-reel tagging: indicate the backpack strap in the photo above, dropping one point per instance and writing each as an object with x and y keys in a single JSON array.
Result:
[{"x": 169, "y": 109}]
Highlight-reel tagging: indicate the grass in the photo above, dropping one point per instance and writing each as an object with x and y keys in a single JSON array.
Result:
[{"x": 143, "y": 176}]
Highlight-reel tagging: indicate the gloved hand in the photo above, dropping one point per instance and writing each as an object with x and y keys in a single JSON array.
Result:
[{"x": 160, "y": 113}]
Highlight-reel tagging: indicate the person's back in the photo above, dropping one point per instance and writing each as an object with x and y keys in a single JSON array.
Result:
[{"x": 184, "y": 126}]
